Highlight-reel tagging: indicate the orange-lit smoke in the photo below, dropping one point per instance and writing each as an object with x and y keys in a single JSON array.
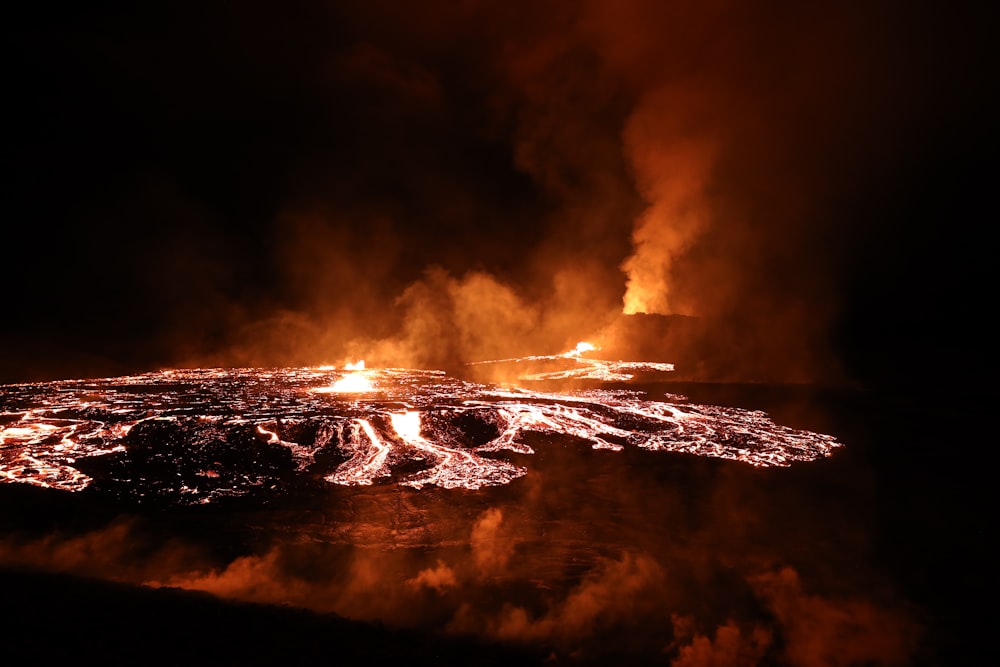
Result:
[
  {"x": 834, "y": 631},
  {"x": 667, "y": 158},
  {"x": 732, "y": 646},
  {"x": 492, "y": 543},
  {"x": 661, "y": 597},
  {"x": 672, "y": 159},
  {"x": 613, "y": 592},
  {"x": 504, "y": 175},
  {"x": 447, "y": 319}
]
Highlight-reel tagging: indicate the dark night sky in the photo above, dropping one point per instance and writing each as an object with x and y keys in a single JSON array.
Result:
[{"x": 296, "y": 182}]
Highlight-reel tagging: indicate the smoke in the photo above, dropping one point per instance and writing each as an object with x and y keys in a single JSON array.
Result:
[
  {"x": 121, "y": 551},
  {"x": 806, "y": 630},
  {"x": 615, "y": 592},
  {"x": 832, "y": 632},
  {"x": 730, "y": 646},
  {"x": 492, "y": 543},
  {"x": 437, "y": 578},
  {"x": 252, "y": 578},
  {"x": 448, "y": 319},
  {"x": 630, "y": 603},
  {"x": 720, "y": 566},
  {"x": 672, "y": 159},
  {"x": 684, "y": 155},
  {"x": 315, "y": 176}
]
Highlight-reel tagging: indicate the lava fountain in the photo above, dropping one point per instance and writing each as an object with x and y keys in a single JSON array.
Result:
[{"x": 355, "y": 382}]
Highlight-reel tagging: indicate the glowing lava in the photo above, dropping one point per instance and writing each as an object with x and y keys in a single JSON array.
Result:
[
  {"x": 573, "y": 365},
  {"x": 453, "y": 467},
  {"x": 352, "y": 384},
  {"x": 368, "y": 454},
  {"x": 195, "y": 436},
  {"x": 356, "y": 382}
]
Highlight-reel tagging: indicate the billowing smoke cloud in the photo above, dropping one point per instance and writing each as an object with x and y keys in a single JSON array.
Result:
[
  {"x": 437, "y": 578},
  {"x": 613, "y": 593},
  {"x": 831, "y": 632},
  {"x": 687, "y": 598},
  {"x": 506, "y": 174},
  {"x": 447, "y": 319},
  {"x": 684, "y": 155},
  {"x": 731, "y": 645},
  {"x": 627, "y": 595},
  {"x": 121, "y": 551},
  {"x": 492, "y": 543}
]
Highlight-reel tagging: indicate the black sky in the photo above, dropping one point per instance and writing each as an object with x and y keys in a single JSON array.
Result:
[{"x": 255, "y": 182}]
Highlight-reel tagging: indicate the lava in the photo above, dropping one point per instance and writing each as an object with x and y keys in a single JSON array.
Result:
[
  {"x": 573, "y": 365},
  {"x": 453, "y": 467},
  {"x": 367, "y": 456},
  {"x": 215, "y": 433},
  {"x": 356, "y": 382}
]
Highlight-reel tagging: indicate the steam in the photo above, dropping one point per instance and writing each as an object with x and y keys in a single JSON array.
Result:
[{"x": 670, "y": 178}]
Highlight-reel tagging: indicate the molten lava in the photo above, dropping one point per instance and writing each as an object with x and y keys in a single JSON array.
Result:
[
  {"x": 573, "y": 365},
  {"x": 356, "y": 382},
  {"x": 352, "y": 384},
  {"x": 215, "y": 433}
]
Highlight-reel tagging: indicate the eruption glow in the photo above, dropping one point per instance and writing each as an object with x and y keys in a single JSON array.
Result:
[
  {"x": 354, "y": 383},
  {"x": 579, "y": 367}
]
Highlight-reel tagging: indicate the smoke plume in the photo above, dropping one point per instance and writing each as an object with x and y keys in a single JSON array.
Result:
[{"x": 350, "y": 177}]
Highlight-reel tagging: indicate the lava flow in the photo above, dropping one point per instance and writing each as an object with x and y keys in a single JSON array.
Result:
[{"x": 200, "y": 435}]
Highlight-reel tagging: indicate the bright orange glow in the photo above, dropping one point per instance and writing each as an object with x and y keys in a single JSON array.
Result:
[
  {"x": 406, "y": 425},
  {"x": 416, "y": 416},
  {"x": 352, "y": 384},
  {"x": 357, "y": 382},
  {"x": 368, "y": 455},
  {"x": 453, "y": 468},
  {"x": 272, "y": 437}
]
